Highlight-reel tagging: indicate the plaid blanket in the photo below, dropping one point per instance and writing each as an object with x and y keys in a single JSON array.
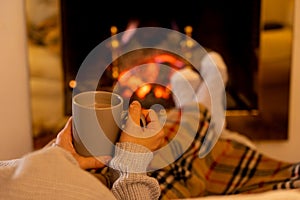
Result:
[{"x": 229, "y": 167}]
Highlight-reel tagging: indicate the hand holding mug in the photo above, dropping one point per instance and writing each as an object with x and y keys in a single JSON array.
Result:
[
  {"x": 64, "y": 140},
  {"x": 151, "y": 136}
]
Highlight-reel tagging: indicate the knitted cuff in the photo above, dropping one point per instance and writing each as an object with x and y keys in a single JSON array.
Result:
[{"x": 131, "y": 157}]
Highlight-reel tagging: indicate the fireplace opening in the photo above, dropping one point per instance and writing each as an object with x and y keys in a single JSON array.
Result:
[
  {"x": 144, "y": 75},
  {"x": 233, "y": 32}
]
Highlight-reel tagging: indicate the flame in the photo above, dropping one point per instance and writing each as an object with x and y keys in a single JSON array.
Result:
[
  {"x": 159, "y": 92},
  {"x": 141, "y": 80},
  {"x": 143, "y": 91},
  {"x": 169, "y": 59}
]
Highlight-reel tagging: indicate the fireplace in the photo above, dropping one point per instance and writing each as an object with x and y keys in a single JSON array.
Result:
[{"x": 228, "y": 27}]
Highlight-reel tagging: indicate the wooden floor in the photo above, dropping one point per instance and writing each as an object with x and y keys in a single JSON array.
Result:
[{"x": 270, "y": 122}]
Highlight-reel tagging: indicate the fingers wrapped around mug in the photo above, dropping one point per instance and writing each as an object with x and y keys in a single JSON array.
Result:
[{"x": 150, "y": 135}]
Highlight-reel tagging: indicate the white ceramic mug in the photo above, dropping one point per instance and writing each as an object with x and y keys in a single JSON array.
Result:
[{"x": 97, "y": 119}]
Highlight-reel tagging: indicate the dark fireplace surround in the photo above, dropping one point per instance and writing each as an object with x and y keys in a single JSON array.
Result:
[{"x": 231, "y": 28}]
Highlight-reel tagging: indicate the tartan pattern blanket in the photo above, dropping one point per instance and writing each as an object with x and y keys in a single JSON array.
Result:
[{"x": 230, "y": 167}]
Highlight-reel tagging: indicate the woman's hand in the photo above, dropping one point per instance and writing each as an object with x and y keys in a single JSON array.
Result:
[
  {"x": 64, "y": 140},
  {"x": 151, "y": 136}
]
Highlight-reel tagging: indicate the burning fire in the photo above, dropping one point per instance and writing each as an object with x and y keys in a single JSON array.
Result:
[
  {"x": 143, "y": 91},
  {"x": 144, "y": 79},
  {"x": 149, "y": 81},
  {"x": 159, "y": 91}
]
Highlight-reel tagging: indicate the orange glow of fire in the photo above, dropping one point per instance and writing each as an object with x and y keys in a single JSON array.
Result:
[
  {"x": 143, "y": 91},
  {"x": 158, "y": 92},
  {"x": 161, "y": 92},
  {"x": 170, "y": 59},
  {"x": 142, "y": 83}
]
